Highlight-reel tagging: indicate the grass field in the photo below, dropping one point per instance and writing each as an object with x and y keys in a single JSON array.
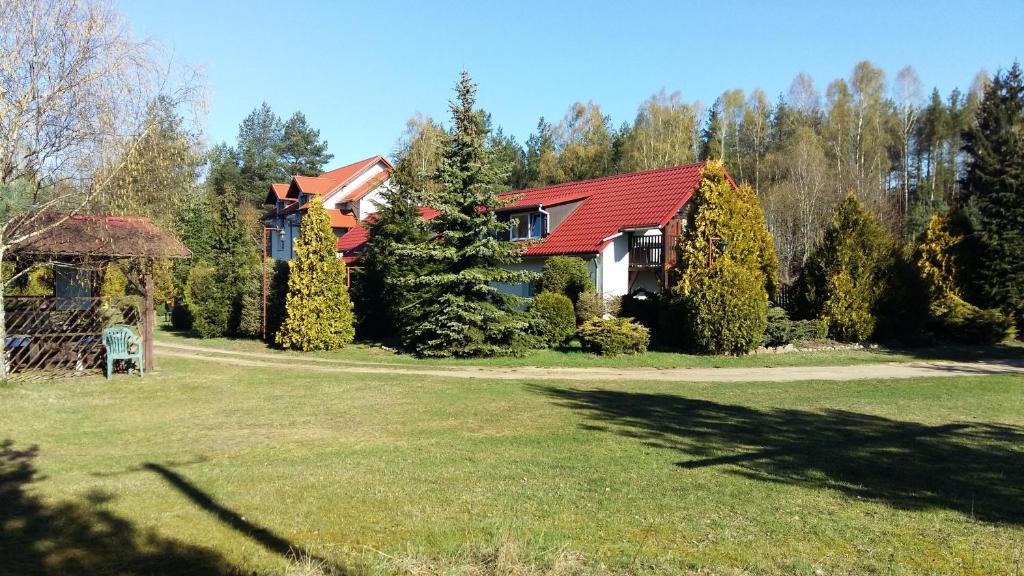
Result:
[
  {"x": 363, "y": 353},
  {"x": 205, "y": 468}
]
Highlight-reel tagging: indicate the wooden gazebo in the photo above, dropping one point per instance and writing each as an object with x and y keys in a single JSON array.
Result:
[{"x": 65, "y": 329}]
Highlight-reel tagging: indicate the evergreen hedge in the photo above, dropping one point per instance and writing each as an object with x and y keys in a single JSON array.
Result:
[
  {"x": 848, "y": 273},
  {"x": 727, "y": 310}
]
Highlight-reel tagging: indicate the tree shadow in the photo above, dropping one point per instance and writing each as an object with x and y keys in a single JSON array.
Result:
[
  {"x": 970, "y": 467},
  {"x": 37, "y": 537},
  {"x": 267, "y": 538}
]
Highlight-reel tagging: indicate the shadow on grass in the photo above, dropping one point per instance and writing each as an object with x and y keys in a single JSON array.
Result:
[
  {"x": 38, "y": 537},
  {"x": 270, "y": 540},
  {"x": 973, "y": 468},
  {"x": 958, "y": 352}
]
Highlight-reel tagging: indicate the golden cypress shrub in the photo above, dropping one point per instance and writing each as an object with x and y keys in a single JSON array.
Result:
[{"x": 318, "y": 311}]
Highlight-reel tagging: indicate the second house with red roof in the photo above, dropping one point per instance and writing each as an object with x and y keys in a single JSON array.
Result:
[
  {"x": 348, "y": 193},
  {"x": 625, "y": 227}
]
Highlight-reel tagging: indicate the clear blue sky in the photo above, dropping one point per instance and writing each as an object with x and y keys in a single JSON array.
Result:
[{"x": 359, "y": 70}]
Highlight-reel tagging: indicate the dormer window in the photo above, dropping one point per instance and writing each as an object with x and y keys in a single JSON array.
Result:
[{"x": 527, "y": 226}]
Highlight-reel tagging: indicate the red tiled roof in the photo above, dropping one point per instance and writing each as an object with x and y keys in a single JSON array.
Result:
[
  {"x": 355, "y": 239},
  {"x": 277, "y": 192},
  {"x": 612, "y": 204},
  {"x": 341, "y": 219},
  {"x": 332, "y": 180},
  {"x": 366, "y": 187}
]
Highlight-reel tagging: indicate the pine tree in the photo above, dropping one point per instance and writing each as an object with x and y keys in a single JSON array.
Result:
[
  {"x": 459, "y": 311},
  {"x": 300, "y": 149},
  {"x": 994, "y": 189},
  {"x": 259, "y": 143},
  {"x": 318, "y": 312}
]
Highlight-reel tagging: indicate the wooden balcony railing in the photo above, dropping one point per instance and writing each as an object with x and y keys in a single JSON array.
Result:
[{"x": 647, "y": 251}]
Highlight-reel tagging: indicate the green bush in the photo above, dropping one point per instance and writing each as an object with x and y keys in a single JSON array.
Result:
[
  {"x": 781, "y": 330},
  {"x": 557, "y": 318},
  {"x": 643, "y": 307},
  {"x": 614, "y": 336},
  {"x": 209, "y": 301},
  {"x": 727, "y": 310},
  {"x": 589, "y": 305},
  {"x": 565, "y": 275},
  {"x": 848, "y": 274},
  {"x": 181, "y": 318},
  {"x": 955, "y": 320}
]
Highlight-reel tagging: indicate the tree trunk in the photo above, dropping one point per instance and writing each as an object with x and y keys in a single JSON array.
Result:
[
  {"x": 149, "y": 323},
  {"x": 3, "y": 323}
]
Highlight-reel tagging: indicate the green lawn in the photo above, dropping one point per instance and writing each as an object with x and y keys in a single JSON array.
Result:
[
  {"x": 206, "y": 468},
  {"x": 370, "y": 354}
]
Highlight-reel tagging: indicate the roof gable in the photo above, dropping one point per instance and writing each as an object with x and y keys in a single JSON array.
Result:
[{"x": 332, "y": 180}]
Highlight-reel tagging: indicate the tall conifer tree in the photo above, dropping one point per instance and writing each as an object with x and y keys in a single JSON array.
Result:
[
  {"x": 994, "y": 187},
  {"x": 459, "y": 310}
]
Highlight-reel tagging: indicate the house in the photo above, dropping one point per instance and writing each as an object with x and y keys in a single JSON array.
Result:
[
  {"x": 348, "y": 193},
  {"x": 625, "y": 227}
]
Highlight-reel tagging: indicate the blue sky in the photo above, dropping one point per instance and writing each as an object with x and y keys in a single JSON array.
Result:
[{"x": 360, "y": 70}]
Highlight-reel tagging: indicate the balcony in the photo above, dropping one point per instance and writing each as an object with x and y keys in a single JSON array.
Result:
[{"x": 647, "y": 252}]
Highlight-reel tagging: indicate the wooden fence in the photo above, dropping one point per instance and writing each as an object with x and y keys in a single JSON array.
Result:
[{"x": 55, "y": 337}]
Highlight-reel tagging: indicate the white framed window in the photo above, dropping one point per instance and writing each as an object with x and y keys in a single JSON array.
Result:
[{"x": 527, "y": 226}]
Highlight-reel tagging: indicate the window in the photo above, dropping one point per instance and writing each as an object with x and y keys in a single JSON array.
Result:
[{"x": 527, "y": 226}]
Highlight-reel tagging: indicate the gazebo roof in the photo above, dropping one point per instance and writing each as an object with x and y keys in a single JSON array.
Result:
[{"x": 85, "y": 235}]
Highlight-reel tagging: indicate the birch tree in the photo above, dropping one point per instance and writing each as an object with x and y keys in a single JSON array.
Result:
[{"x": 75, "y": 91}]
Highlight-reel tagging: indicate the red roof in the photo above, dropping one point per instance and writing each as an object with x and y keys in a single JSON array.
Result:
[
  {"x": 612, "y": 204},
  {"x": 328, "y": 182},
  {"x": 280, "y": 191},
  {"x": 341, "y": 219},
  {"x": 355, "y": 239},
  {"x": 609, "y": 205}
]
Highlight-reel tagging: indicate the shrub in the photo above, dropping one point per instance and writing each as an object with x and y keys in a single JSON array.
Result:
[
  {"x": 956, "y": 320},
  {"x": 643, "y": 307},
  {"x": 727, "y": 310},
  {"x": 589, "y": 305},
  {"x": 318, "y": 312},
  {"x": 781, "y": 330},
  {"x": 565, "y": 275},
  {"x": 614, "y": 336},
  {"x": 558, "y": 321},
  {"x": 848, "y": 273},
  {"x": 181, "y": 317},
  {"x": 209, "y": 302}
]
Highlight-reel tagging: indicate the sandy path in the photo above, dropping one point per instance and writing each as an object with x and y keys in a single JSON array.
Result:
[{"x": 758, "y": 374}]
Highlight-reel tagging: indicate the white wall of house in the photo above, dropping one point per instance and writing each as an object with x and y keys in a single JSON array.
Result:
[
  {"x": 368, "y": 204},
  {"x": 332, "y": 199},
  {"x": 613, "y": 268}
]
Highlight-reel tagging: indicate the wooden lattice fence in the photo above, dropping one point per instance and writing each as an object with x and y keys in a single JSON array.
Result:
[{"x": 55, "y": 337}]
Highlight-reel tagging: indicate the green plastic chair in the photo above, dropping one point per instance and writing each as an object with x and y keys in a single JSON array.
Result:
[{"x": 119, "y": 340}]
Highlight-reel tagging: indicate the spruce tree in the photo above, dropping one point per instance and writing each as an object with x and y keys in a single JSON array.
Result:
[
  {"x": 994, "y": 189},
  {"x": 382, "y": 292},
  {"x": 459, "y": 311},
  {"x": 318, "y": 312}
]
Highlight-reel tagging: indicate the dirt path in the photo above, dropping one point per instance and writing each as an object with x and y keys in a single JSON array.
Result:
[{"x": 859, "y": 372}]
